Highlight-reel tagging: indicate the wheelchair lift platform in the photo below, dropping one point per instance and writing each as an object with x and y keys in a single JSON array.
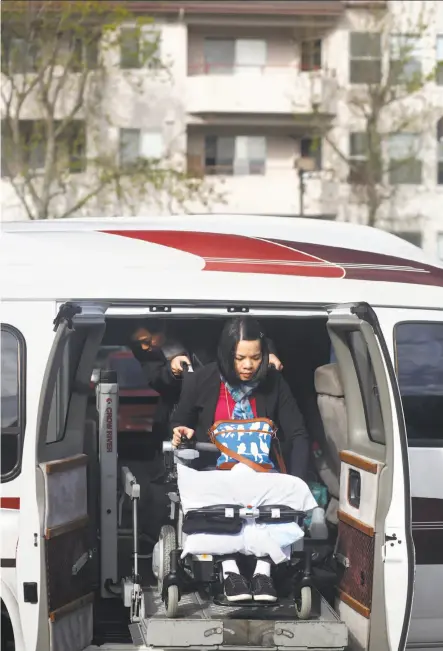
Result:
[{"x": 200, "y": 624}]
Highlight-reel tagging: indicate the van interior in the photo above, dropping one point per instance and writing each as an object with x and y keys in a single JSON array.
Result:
[{"x": 304, "y": 346}]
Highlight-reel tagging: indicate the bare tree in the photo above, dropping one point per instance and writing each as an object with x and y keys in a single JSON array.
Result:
[
  {"x": 386, "y": 107},
  {"x": 66, "y": 69}
]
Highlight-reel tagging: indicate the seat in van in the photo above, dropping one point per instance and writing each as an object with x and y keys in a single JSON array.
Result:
[{"x": 332, "y": 407}]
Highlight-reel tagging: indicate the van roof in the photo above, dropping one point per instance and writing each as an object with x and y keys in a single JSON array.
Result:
[{"x": 163, "y": 258}]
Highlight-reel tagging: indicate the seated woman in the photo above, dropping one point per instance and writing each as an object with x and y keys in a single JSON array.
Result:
[{"x": 241, "y": 385}]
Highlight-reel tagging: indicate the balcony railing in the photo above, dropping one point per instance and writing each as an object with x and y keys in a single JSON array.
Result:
[{"x": 279, "y": 90}]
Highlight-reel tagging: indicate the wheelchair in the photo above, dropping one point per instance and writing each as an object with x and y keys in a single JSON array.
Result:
[{"x": 176, "y": 576}]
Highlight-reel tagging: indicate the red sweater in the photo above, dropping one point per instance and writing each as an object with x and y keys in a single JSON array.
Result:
[{"x": 225, "y": 405}]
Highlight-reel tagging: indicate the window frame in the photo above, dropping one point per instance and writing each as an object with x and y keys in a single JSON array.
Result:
[
  {"x": 310, "y": 50},
  {"x": 125, "y": 50},
  {"x": 18, "y": 431},
  {"x": 397, "y": 76},
  {"x": 412, "y": 160},
  {"x": 365, "y": 392},
  {"x": 413, "y": 443},
  {"x": 352, "y": 58},
  {"x": 231, "y": 169},
  {"x": 141, "y": 132},
  {"x": 439, "y": 138},
  {"x": 315, "y": 150},
  {"x": 440, "y": 239},
  {"x": 439, "y": 62}
]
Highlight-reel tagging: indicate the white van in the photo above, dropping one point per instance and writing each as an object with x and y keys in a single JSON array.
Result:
[{"x": 345, "y": 298}]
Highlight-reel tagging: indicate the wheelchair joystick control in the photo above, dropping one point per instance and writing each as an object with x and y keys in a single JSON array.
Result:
[
  {"x": 185, "y": 443},
  {"x": 186, "y": 451}
]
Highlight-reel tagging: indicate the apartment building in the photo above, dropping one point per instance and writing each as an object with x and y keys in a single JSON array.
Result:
[{"x": 252, "y": 89}]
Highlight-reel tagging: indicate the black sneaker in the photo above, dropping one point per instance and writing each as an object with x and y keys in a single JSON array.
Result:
[
  {"x": 236, "y": 587},
  {"x": 263, "y": 588}
]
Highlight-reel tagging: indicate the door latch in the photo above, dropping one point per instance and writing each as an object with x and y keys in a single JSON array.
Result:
[
  {"x": 81, "y": 562},
  {"x": 392, "y": 549}
]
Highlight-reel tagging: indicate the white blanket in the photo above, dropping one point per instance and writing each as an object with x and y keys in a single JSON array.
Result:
[{"x": 245, "y": 487}]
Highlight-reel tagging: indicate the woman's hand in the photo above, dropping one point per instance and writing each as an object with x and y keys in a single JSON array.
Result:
[
  {"x": 273, "y": 359},
  {"x": 178, "y": 432},
  {"x": 176, "y": 364}
]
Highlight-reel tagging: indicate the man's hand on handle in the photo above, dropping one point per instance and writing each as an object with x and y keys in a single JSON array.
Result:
[
  {"x": 273, "y": 359},
  {"x": 178, "y": 432},
  {"x": 176, "y": 364}
]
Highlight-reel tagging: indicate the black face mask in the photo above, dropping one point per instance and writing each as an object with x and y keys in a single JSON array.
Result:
[{"x": 141, "y": 354}]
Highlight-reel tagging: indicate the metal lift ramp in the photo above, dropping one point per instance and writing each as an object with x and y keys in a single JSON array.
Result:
[{"x": 200, "y": 624}]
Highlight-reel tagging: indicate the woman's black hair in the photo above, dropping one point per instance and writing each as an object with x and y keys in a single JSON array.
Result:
[
  {"x": 153, "y": 325},
  {"x": 236, "y": 330}
]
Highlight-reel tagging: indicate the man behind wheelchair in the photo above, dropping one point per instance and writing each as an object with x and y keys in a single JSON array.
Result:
[{"x": 234, "y": 532}]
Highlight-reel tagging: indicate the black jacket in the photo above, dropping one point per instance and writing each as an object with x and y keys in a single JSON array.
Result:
[
  {"x": 274, "y": 400},
  {"x": 200, "y": 345}
]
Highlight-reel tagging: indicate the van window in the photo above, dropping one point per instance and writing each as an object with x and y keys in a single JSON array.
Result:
[
  {"x": 13, "y": 356},
  {"x": 368, "y": 386},
  {"x": 419, "y": 360},
  {"x": 64, "y": 387}
]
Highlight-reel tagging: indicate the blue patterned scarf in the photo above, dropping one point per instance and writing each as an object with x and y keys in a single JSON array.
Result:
[{"x": 240, "y": 395}]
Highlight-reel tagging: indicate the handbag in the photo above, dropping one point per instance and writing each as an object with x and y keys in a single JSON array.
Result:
[{"x": 247, "y": 441}]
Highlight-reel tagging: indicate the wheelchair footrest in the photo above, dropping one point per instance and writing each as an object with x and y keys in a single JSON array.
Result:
[{"x": 221, "y": 600}]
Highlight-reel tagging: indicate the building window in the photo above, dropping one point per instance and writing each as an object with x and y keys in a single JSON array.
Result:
[
  {"x": 230, "y": 56},
  {"x": 84, "y": 54},
  {"x": 419, "y": 359},
  {"x": 311, "y": 149},
  {"x": 439, "y": 73},
  {"x": 405, "y": 58},
  {"x": 440, "y": 151},
  {"x": 130, "y": 48},
  {"x": 404, "y": 165},
  {"x": 364, "y": 169},
  {"x": 311, "y": 54},
  {"x": 137, "y": 144},
  {"x": 413, "y": 237},
  {"x": 70, "y": 148},
  {"x": 18, "y": 55},
  {"x": 365, "y": 58},
  {"x": 235, "y": 155},
  {"x": 13, "y": 391},
  {"x": 440, "y": 246},
  {"x": 139, "y": 49},
  {"x": 74, "y": 53}
]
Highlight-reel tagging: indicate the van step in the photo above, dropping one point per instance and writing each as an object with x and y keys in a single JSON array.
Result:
[{"x": 202, "y": 624}]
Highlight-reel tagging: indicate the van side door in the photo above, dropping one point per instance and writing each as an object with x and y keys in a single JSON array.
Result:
[
  {"x": 68, "y": 534},
  {"x": 374, "y": 547},
  {"x": 415, "y": 340}
]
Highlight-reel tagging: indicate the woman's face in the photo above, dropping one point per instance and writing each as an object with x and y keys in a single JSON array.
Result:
[{"x": 247, "y": 360}]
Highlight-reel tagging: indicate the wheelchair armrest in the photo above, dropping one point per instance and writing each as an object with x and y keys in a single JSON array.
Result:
[{"x": 201, "y": 447}]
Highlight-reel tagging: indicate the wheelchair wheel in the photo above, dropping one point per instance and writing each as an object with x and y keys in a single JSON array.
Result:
[
  {"x": 303, "y": 605},
  {"x": 167, "y": 543},
  {"x": 171, "y": 601}
]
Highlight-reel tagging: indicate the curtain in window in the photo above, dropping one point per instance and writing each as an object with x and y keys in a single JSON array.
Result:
[{"x": 250, "y": 56}]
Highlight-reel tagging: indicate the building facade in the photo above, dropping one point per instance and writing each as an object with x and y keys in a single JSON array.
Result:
[{"x": 256, "y": 98}]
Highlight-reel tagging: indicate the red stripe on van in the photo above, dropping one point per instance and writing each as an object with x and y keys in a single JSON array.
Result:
[
  {"x": 240, "y": 253},
  {"x": 10, "y": 503}
]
